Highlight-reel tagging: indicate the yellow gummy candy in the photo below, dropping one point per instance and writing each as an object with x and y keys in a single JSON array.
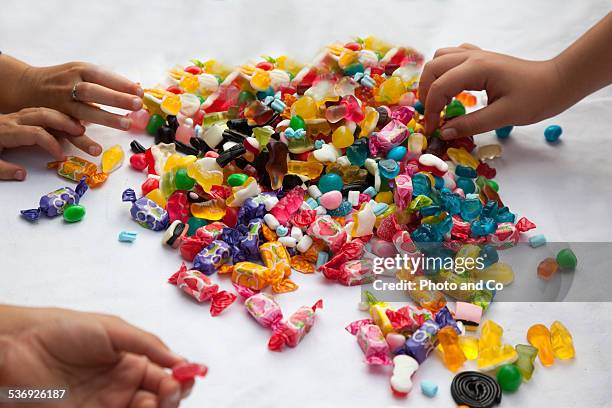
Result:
[
  {"x": 368, "y": 124},
  {"x": 212, "y": 210},
  {"x": 157, "y": 197},
  {"x": 390, "y": 91},
  {"x": 342, "y": 137},
  {"x": 112, "y": 159},
  {"x": 489, "y": 152},
  {"x": 189, "y": 83},
  {"x": 305, "y": 107},
  {"x": 260, "y": 80},
  {"x": 469, "y": 345},
  {"x": 177, "y": 161},
  {"x": 462, "y": 157},
  {"x": 171, "y": 104}
]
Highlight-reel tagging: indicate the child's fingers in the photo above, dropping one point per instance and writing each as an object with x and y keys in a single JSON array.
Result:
[
  {"x": 483, "y": 120},
  {"x": 49, "y": 118},
  {"x": 35, "y": 135},
  {"x": 435, "y": 69},
  {"x": 90, "y": 92},
  {"x": 109, "y": 79},
  {"x": 94, "y": 114},
  {"x": 443, "y": 89},
  {"x": 452, "y": 50},
  {"x": 11, "y": 171}
]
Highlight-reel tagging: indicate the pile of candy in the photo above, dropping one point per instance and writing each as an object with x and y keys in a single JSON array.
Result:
[{"x": 276, "y": 167}]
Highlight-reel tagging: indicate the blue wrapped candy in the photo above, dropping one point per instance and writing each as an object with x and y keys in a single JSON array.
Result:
[
  {"x": 422, "y": 342},
  {"x": 445, "y": 318},
  {"x": 146, "y": 212},
  {"x": 54, "y": 203}
]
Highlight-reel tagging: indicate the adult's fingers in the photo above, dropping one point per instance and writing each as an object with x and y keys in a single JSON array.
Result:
[
  {"x": 90, "y": 92},
  {"x": 94, "y": 114},
  {"x": 35, "y": 135},
  {"x": 435, "y": 69},
  {"x": 109, "y": 79},
  {"x": 169, "y": 393},
  {"x": 11, "y": 171},
  {"x": 483, "y": 120},
  {"x": 144, "y": 399},
  {"x": 82, "y": 142},
  {"x": 126, "y": 337},
  {"x": 49, "y": 118},
  {"x": 443, "y": 89}
]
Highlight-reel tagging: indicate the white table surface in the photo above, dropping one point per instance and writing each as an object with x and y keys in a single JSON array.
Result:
[{"x": 564, "y": 189}]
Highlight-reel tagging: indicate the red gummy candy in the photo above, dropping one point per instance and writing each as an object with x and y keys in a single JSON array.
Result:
[
  {"x": 486, "y": 171},
  {"x": 149, "y": 185},
  {"x": 138, "y": 161},
  {"x": 188, "y": 371}
]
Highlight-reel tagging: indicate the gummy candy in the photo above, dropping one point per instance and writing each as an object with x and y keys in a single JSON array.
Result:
[
  {"x": 526, "y": 357},
  {"x": 562, "y": 343},
  {"x": 539, "y": 337}
]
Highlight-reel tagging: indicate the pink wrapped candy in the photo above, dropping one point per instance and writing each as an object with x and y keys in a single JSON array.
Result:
[
  {"x": 293, "y": 330},
  {"x": 393, "y": 134},
  {"x": 288, "y": 205},
  {"x": 201, "y": 288},
  {"x": 356, "y": 272},
  {"x": 372, "y": 341}
]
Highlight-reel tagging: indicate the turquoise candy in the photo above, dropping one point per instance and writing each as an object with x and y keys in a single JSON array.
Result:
[
  {"x": 430, "y": 210},
  {"x": 491, "y": 209},
  {"x": 504, "y": 132},
  {"x": 380, "y": 208},
  {"x": 504, "y": 215},
  {"x": 330, "y": 182},
  {"x": 322, "y": 258},
  {"x": 471, "y": 208},
  {"x": 261, "y": 95},
  {"x": 388, "y": 168},
  {"x": 553, "y": 133},
  {"x": 353, "y": 69},
  {"x": 429, "y": 388},
  {"x": 127, "y": 236},
  {"x": 439, "y": 182},
  {"x": 489, "y": 255},
  {"x": 371, "y": 191},
  {"x": 444, "y": 227},
  {"x": 537, "y": 241},
  {"x": 466, "y": 184},
  {"x": 397, "y": 153},
  {"x": 454, "y": 109},
  {"x": 420, "y": 185},
  {"x": 465, "y": 171},
  {"x": 483, "y": 227},
  {"x": 418, "y": 106},
  {"x": 451, "y": 203},
  {"x": 358, "y": 152},
  {"x": 345, "y": 209},
  {"x": 194, "y": 223}
]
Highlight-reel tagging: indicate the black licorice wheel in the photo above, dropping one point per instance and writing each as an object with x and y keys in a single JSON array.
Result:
[{"x": 475, "y": 390}]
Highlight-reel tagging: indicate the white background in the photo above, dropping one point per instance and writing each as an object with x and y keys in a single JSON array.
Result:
[{"x": 565, "y": 189}]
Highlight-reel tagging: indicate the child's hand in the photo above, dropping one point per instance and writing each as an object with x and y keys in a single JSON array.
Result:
[
  {"x": 75, "y": 87},
  {"x": 519, "y": 92},
  {"x": 102, "y": 360},
  {"x": 40, "y": 126}
]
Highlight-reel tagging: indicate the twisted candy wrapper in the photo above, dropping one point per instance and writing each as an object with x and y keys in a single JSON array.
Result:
[
  {"x": 393, "y": 134},
  {"x": 407, "y": 319},
  {"x": 201, "y": 288},
  {"x": 288, "y": 205},
  {"x": 146, "y": 212},
  {"x": 293, "y": 330},
  {"x": 371, "y": 340},
  {"x": 262, "y": 307},
  {"x": 329, "y": 231},
  {"x": 257, "y": 277},
  {"x": 275, "y": 255},
  {"x": 75, "y": 168},
  {"x": 349, "y": 251},
  {"x": 211, "y": 257},
  {"x": 54, "y": 203}
]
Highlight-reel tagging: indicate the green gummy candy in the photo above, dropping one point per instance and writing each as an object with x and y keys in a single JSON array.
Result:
[
  {"x": 74, "y": 213},
  {"x": 567, "y": 259},
  {"x": 237, "y": 179}
]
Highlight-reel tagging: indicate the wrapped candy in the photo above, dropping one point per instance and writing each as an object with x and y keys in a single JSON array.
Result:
[
  {"x": 356, "y": 272},
  {"x": 145, "y": 212},
  {"x": 372, "y": 342},
  {"x": 211, "y": 257},
  {"x": 75, "y": 168},
  {"x": 288, "y": 205},
  {"x": 55, "y": 202},
  {"x": 408, "y": 319},
  {"x": 422, "y": 342},
  {"x": 275, "y": 255},
  {"x": 201, "y": 288},
  {"x": 393, "y": 134},
  {"x": 257, "y": 277},
  {"x": 349, "y": 251},
  {"x": 328, "y": 230},
  {"x": 264, "y": 309},
  {"x": 291, "y": 331}
]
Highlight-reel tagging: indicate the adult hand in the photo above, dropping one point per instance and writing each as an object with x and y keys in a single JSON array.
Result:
[{"x": 102, "y": 360}]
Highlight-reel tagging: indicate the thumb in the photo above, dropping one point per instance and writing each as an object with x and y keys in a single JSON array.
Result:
[
  {"x": 11, "y": 171},
  {"x": 483, "y": 120}
]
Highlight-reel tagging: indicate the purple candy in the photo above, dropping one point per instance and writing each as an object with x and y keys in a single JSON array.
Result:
[
  {"x": 146, "y": 212},
  {"x": 422, "y": 341},
  {"x": 212, "y": 257},
  {"x": 53, "y": 204}
]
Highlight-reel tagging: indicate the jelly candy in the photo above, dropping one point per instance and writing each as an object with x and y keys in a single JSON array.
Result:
[
  {"x": 567, "y": 259},
  {"x": 213, "y": 210},
  {"x": 461, "y": 156},
  {"x": 467, "y": 99},
  {"x": 188, "y": 371},
  {"x": 206, "y": 172},
  {"x": 489, "y": 152},
  {"x": 453, "y": 355},
  {"x": 429, "y": 388},
  {"x": 526, "y": 357},
  {"x": 499, "y": 272},
  {"x": 390, "y": 91},
  {"x": 469, "y": 345},
  {"x": 305, "y": 107},
  {"x": 491, "y": 352},
  {"x": 509, "y": 378},
  {"x": 329, "y": 182},
  {"x": 562, "y": 343},
  {"x": 342, "y": 137},
  {"x": 357, "y": 153},
  {"x": 74, "y": 213},
  {"x": 155, "y": 122},
  {"x": 112, "y": 159},
  {"x": 277, "y": 163},
  {"x": 454, "y": 108},
  {"x": 539, "y": 337},
  {"x": 504, "y": 132},
  {"x": 547, "y": 268},
  {"x": 553, "y": 133}
]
